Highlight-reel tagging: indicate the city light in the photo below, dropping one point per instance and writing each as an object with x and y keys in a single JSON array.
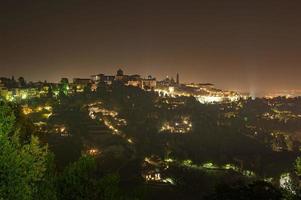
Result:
[
  {"x": 173, "y": 100},
  {"x": 109, "y": 118},
  {"x": 47, "y": 115},
  {"x": 93, "y": 151},
  {"x": 285, "y": 182},
  {"x": 182, "y": 125},
  {"x": 26, "y": 110},
  {"x": 209, "y": 99}
]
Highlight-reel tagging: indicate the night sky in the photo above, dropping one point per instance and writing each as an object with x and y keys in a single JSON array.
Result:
[{"x": 244, "y": 45}]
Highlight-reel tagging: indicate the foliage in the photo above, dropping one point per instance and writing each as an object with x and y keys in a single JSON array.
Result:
[
  {"x": 243, "y": 139},
  {"x": 24, "y": 169},
  {"x": 80, "y": 181},
  {"x": 298, "y": 166},
  {"x": 77, "y": 180},
  {"x": 108, "y": 187},
  {"x": 7, "y": 119},
  {"x": 27, "y": 170}
]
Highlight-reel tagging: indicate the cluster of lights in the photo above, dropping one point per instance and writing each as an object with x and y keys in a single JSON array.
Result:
[
  {"x": 182, "y": 126},
  {"x": 47, "y": 115},
  {"x": 93, "y": 152},
  {"x": 61, "y": 129},
  {"x": 15, "y": 94},
  {"x": 109, "y": 118},
  {"x": 285, "y": 182},
  {"x": 23, "y": 94},
  {"x": 215, "y": 97},
  {"x": 153, "y": 177},
  {"x": 281, "y": 141},
  {"x": 212, "y": 166},
  {"x": 280, "y": 115},
  {"x": 170, "y": 91},
  {"x": 96, "y": 108},
  {"x": 111, "y": 127},
  {"x": 27, "y": 110},
  {"x": 209, "y": 99},
  {"x": 153, "y": 166}
]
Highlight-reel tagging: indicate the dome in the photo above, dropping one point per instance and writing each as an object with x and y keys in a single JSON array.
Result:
[{"x": 119, "y": 72}]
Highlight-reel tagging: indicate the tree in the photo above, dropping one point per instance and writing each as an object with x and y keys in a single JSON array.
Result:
[
  {"x": 7, "y": 119},
  {"x": 298, "y": 166},
  {"x": 24, "y": 169},
  {"x": 64, "y": 81},
  {"x": 64, "y": 87},
  {"x": 77, "y": 181},
  {"x": 80, "y": 180},
  {"x": 50, "y": 92},
  {"x": 87, "y": 89},
  {"x": 108, "y": 187}
]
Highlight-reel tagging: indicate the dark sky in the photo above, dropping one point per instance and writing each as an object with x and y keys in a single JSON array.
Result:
[{"x": 244, "y": 44}]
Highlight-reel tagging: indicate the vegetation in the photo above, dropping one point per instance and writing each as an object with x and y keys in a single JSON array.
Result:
[
  {"x": 232, "y": 151},
  {"x": 27, "y": 170},
  {"x": 24, "y": 169}
]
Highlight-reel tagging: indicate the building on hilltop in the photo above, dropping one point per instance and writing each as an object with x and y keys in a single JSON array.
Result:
[
  {"x": 83, "y": 81},
  {"x": 120, "y": 72},
  {"x": 167, "y": 82},
  {"x": 101, "y": 78},
  {"x": 149, "y": 84},
  {"x": 79, "y": 84},
  {"x": 120, "y": 76},
  {"x": 134, "y": 80}
]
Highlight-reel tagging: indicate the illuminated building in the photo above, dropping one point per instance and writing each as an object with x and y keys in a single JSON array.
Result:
[
  {"x": 151, "y": 169},
  {"x": 25, "y": 93},
  {"x": 80, "y": 83},
  {"x": 128, "y": 80},
  {"x": 152, "y": 176},
  {"x": 61, "y": 129},
  {"x": 93, "y": 87},
  {"x": 121, "y": 77},
  {"x": 146, "y": 84},
  {"x": 109, "y": 79},
  {"x": 133, "y": 80},
  {"x": 96, "y": 78},
  {"x": 204, "y": 93},
  {"x": 149, "y": 83},
  {"x": 101, "y": 78},
  {"x": 93, "y": 151},
  {"x": 134, "y": 83},
  {"x": 167, "y": 82}
]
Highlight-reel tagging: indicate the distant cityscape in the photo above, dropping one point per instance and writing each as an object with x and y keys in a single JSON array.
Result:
[{"x": 12, "y": 89}]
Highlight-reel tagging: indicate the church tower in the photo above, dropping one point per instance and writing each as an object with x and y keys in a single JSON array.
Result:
[{"x": 178, "y": 79}]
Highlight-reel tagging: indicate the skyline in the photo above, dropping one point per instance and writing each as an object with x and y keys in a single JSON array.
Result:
[{"x": 236, "y": 45}]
